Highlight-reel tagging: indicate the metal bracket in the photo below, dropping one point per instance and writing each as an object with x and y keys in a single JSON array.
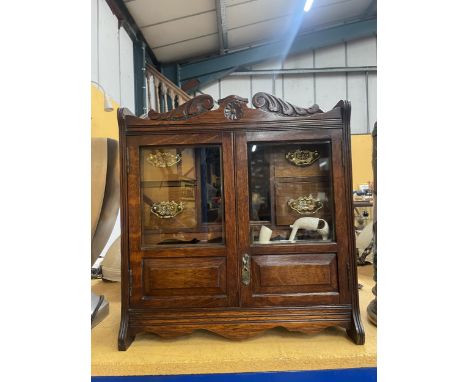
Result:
[{"x": 245, "y": 275}]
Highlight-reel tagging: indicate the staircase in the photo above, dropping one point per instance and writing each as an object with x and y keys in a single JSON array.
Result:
[{"x": 162, "y": 95}]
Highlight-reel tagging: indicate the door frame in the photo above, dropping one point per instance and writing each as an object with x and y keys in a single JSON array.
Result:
[
  {"x": 228, "y": 250},
  {"x": 340, "y": 246}
]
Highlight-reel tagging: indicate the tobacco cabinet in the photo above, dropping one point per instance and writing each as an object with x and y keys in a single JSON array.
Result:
[{"x": 199, "y": 190}]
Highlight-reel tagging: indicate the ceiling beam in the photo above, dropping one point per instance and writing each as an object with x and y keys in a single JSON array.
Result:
[
  {"x": 371, "y": 9},
  {"x": 126, "y": 20},
  {"x": 317, "y": 39},
  {"x": 222, "y": 26},
  {"x": 193, "y": 85},
  {"x": 343, "y": 69}
]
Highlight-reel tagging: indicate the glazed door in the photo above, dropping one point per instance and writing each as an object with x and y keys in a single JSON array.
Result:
[
  {"x": 182, "y": 221},
  {"x": 291, "y": 211}
]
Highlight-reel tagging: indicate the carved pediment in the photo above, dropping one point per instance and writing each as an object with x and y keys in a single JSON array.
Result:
[
  {"x": 235, "y": 109},
  {"x": 195, "y": 106},
  {"x": 272, "y": 104}
]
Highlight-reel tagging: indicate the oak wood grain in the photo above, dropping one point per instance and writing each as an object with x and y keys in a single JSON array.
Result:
[{"x": 172, "y": 290}]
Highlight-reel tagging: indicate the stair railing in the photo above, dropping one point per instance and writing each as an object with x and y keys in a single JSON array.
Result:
[{"x": 162, "y": 94}]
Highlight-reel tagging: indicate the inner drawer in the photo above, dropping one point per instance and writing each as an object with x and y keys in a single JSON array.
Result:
[
  {"x": 185, "y": 196},
  {"x": 168, "y": 164},
  {"x": 285, "y": 168},
  {"x": 285, "y": 191}
]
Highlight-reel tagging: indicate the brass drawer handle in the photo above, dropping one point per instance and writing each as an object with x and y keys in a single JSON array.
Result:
[
  {"x": 302, "y": 157},
  {"x": 245, "y": 274},
  {"x": 163, "y": 159},
  {"x": 167, "y": 210},
  {"x": 305, "y": 204}
]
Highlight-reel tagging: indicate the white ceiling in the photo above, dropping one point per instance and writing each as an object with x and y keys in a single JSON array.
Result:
[{"x": 178, "y": 30}]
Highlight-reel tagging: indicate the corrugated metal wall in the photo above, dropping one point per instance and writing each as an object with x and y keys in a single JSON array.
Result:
[
  {"x": 111, "y": 55},
  {"x": 112, "y": 67},
  {"x": 325, "y": 89}
]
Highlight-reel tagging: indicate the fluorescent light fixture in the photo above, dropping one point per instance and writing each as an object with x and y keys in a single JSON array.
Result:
[
  {"x": 107, "y": 103},
  {"x": 308, "y": 5}
]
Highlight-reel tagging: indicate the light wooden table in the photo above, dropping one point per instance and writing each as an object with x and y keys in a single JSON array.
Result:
[{"x": 204, "y": 352}]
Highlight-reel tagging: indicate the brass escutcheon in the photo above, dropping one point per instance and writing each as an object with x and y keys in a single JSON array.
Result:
[{"x": 245, "y": 274}]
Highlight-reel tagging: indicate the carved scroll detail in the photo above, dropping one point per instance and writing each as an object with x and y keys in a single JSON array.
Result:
[
  {"x": 191, "y": 108},
  {"x": 272, "y": 104},
  {"x": 233, "y": 106}
]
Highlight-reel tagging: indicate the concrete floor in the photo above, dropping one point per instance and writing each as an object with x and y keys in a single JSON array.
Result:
[{"x": 204, "y": 352}]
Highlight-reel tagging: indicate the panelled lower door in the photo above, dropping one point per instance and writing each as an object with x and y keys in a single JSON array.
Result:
[
  {"x": 291, "y": 214},
  {"x": 182, "y": 221}
]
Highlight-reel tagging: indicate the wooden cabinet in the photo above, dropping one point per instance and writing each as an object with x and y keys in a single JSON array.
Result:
[{"x": 197, "y": 188}]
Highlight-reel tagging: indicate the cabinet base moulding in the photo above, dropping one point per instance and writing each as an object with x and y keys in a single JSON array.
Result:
[{"x": 238, "y": 324}]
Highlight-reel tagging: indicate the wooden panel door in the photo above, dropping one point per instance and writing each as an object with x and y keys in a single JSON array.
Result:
[
  {"x": 282, "y": 177},
  {"x": 182, "y": 217}
]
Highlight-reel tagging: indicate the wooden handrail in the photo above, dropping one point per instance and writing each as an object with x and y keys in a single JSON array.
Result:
[{"x": 162, "y": 94}]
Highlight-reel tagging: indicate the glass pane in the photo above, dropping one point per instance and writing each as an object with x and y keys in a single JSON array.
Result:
[
  {"x": 181, "y": 195},
  {"x": 290, "y": 192}
]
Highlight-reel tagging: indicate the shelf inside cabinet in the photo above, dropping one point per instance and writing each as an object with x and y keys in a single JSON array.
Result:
[{"x": 168, "y": 183}]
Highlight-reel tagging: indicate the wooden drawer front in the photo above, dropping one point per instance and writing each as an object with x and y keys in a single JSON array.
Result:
[
  {"x": 183, "y": 170},
  {"x": 285, "y": 215},
  {"x": 282, "y": 274},
  {"x": 185, "y": 219},
  {"x": 184, "y": 276},
  {"x": 284, "y": 168}
]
